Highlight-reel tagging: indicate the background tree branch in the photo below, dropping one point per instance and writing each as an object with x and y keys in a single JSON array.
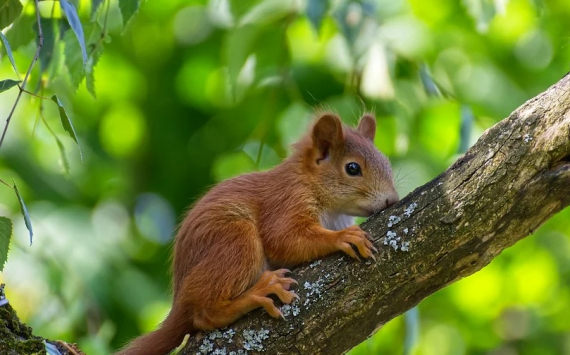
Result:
[{"x": 511, "y": 181}]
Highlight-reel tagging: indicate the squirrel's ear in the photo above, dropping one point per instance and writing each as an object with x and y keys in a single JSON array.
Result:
[
  {"x": 367, "y": 126},
  {"x": 327, "y": 132}
]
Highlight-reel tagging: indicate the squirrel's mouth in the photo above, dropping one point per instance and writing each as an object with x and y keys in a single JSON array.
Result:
[{"x": 366, "y": 212}]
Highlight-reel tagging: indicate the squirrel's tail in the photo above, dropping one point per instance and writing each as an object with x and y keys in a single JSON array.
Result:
[{"x": 163, "y": 340}]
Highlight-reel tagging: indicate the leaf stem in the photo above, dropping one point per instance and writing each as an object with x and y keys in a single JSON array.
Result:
[
  {"x": 25, "y": 81},
  {"x": 35, "y": 95}
]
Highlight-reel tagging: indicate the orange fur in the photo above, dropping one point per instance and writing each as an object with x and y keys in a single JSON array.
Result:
[{"x": 231, "y": 248}]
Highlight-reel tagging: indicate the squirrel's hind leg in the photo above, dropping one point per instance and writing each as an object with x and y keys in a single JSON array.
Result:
[
  {"x": 227, "y": 311},
  {"x": 230, "y": 281}
]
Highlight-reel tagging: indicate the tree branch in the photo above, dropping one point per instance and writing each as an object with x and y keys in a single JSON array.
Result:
[{"x": 511, "y": 181}]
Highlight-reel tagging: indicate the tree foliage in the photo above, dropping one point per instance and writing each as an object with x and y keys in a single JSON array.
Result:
[{"x": 165, "y": 98}]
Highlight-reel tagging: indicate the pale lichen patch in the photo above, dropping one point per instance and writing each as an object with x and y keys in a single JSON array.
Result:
[
  {"x": 410, "y": 209},
  {"x": 253, "y": 340},
  {"x": 527, "y": 138}
]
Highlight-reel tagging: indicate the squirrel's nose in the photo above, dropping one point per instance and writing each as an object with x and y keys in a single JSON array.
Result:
[{"x": 392, "y": 199}]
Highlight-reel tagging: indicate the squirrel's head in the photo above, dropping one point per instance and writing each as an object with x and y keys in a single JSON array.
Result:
[{"x": 353, "y": 177}]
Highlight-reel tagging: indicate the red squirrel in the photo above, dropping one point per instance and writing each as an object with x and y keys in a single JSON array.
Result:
[{"x": 232, "y": 248}]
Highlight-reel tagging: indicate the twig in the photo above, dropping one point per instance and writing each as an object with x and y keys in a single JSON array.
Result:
[
  {"x": 21, "y": 87},
  {"x": 32, "y": 94},
  {"x": 5, "y": 183}
]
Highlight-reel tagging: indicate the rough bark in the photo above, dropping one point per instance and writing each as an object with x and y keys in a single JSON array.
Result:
[
  {"x": 16, "y": 338},
  {"x": 511, "y": 181}
]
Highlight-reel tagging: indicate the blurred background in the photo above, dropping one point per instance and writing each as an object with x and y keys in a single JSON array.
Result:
[{"x": 191, "y": 92}]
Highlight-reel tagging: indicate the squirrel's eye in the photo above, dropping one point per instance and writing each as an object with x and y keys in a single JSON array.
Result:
[{"x": 353, "y": 169}]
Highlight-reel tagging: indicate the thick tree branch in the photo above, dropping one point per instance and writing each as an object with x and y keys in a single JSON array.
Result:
[{"x": 512, "y": 180}]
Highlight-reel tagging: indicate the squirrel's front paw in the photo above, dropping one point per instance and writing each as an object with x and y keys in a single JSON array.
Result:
[{"x": 356, "y": 236}]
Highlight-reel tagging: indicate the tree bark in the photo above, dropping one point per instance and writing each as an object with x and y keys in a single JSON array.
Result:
[{"x": 501, "y": 190}]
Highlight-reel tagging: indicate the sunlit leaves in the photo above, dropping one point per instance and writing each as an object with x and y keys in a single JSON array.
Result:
[
  {"x": 66, "y": 121},
  {"x": 8, "y": 51},
  {"x": 9, "y": 11},
  {"x": 128, "y": 9},
  {"x": 8, "y": 84},
  {"x": 75, "y": 24},
  {"x": 24, "y": 211},
  {"x": 5, "y": 236}
]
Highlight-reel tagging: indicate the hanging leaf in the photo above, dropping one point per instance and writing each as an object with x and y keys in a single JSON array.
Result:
[
  {"x": 90, "y": 68},
  {"x": 316, "y": 10},
  {"x": 8, "y": 84},
  {"x": 73, "y": 20},
  {"x": 25, "y": 214},
  {"x": 73, "y": 59},
  {"x": 412, "y": 329},
  {"x": 9, "y": 11},
  {"x": 96, "y": 40},
  {"x": 128, "y": 9},
  {"x": 5, "y": 236},
  {"x": 429, "y": 85},
  {"x": 66, "y": 122},
  {"x": 64, "y": 161},
  {"x": 21, "y": 32},
  {"x": 48, "y": 30},
  {"x": 9, "y": 52}
]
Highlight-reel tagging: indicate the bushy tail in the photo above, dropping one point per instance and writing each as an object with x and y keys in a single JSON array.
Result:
[{"x": 164, "y": 339}]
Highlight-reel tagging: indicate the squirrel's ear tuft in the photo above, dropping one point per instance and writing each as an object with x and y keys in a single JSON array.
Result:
[
  {"x": 367, "y": 126},
  {"x": 327, "y": 132}
]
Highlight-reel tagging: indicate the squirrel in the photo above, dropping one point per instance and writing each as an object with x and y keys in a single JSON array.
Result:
[{"x": 233, "y": 247}]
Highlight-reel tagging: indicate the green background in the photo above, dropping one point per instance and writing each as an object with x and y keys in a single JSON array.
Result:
[{"x": 194, "y": 92}]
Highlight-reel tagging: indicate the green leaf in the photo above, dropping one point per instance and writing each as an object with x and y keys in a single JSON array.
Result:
[
  {"x": 5, "y": 236},
  {"x": 268, "y": 11},
  {"x": 73, "y": 59},
  {"x": 240, "y": 7},
  {"x": 8, "y": 84},
  {"x": 94, "y": 7},
  {"x": 128, "y": 9},
  {"x": 9, "y": 11},
  {"x": 9, "y": 52},
  {"x": 21, "y": 32},
  {"x": 48, "y": 30},
  {"x": 96, "y": 41},
  {"x": 75, "y": 24},
  {"x": 90, "y": 68},
  {"x": 66, "y": 122},
  {"x": 24, "y": 212}
]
